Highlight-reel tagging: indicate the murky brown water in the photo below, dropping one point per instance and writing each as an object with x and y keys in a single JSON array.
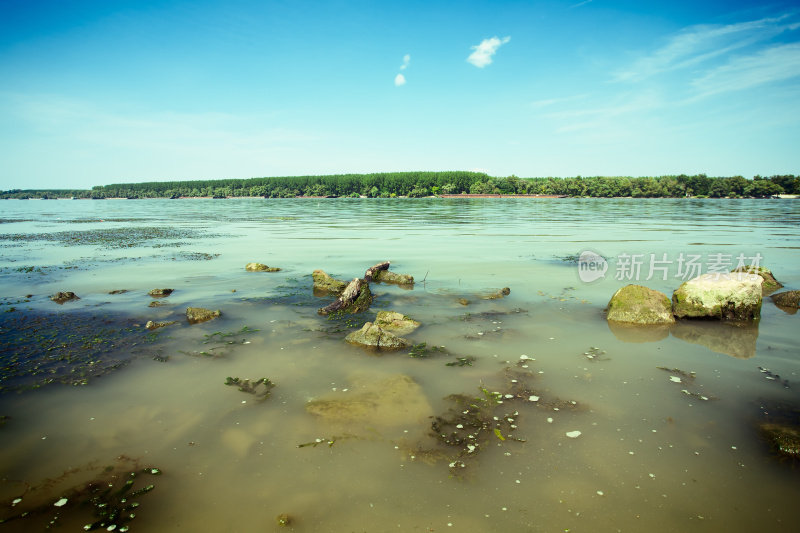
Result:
[{"x": 649, "y": 456}]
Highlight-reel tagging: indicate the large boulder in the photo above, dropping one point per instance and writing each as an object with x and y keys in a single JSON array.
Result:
[
  {"x": 635, "y": 304},
  {"x": 735, "y": 296},
  {"x": 395, "y": 322},
  {"x": 324, "y": 283},
  {"x": 196, "y": 315},
  {"x": 374, "y": 336},
  {"x": 787, "y": 300},
  {"x": 260, "y": 267},
  {"x": 770, "y": 284}
]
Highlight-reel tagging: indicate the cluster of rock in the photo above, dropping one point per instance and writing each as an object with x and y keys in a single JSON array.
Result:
[{"x": 736, "y": 296}]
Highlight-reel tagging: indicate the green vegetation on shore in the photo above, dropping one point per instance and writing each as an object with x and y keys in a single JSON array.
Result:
[{"x": 421, "y": 184}]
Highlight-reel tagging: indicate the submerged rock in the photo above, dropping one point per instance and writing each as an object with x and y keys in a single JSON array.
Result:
[
  {"x": 324, "y": 283},
  {"x": 196, "y": 315},
  {"x": 635, "y": 304},
  {"x": 355, "y": 298},
  {"x": 769, "y": 285},
  {"x": 784, "y": 438},
  {"x": 397, "y": 323},
  {"x": 65, "y": 296},
  {"x": 502, "y": 293},
  {"x": 722, "y": 296},
  {"x": 160, "y": 293},
  {"x": 382, "y": 402},
  {"x": 118, "y": 291},
  {"x": 260, "y": 267},
  {"x": 789, "y": 301},
  {"x": 372, "y": 335}
]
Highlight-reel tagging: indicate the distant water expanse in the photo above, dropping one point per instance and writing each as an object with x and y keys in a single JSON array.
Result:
[{"x": 566, "y": 424}]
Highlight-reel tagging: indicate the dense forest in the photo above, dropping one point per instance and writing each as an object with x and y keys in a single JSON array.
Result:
[{"x": 422, "y": 184}]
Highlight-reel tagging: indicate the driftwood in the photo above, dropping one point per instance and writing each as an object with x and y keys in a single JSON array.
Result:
[
  {"x": 374, "y": 270},
  {"x": 355, "y": 298}
]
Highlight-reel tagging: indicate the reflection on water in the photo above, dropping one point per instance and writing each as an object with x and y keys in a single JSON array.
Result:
[{"x": 344, "y": 442}]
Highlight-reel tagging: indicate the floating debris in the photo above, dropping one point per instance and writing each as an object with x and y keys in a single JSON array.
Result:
[
  {"x": 573, "y": 434},
  {"x": 768, "y": 374},
  {"x": 595, "y": 354}
]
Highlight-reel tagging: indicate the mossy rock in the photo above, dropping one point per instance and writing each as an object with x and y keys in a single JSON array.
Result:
[
  {"x": 770, "y": 284},
  {"x": 787, "y": 299},
  {"x": 502, "y": 293},
  {"x": 64, "y": 296},
  {"x": 387, "y": 276},
  {"x": 196, "y": 315},
  {"x": 324, "y": 283},
  {"x": 374, "y": 336},
  {"x": 160, "y": 293},
  {"x": 636, "y": 304},
  {"x": 260, "y": 267},
  {"x": 397, "y": 323},
  {"x": 719, "y": 296}
]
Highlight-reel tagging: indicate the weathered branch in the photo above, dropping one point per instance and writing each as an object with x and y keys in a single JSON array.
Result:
[
  {"x": 355, "y": 298},
  {"x": 374, "y": 270}
]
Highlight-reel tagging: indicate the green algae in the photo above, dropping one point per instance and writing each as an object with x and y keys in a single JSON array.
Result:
[{"x": 42, "y": 348}]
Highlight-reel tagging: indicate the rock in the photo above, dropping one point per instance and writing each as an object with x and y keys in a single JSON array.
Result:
[
  {"x": 372, "y": 271},
  {"x": 324, "y": 283},
  {"x": 355, "y": 298},
  {"x": 160, "y": 293},
  {"x": 784, "y": 438},
  {"x": 770, "y": 284},
  {"x": 463, "y": 301},
  {"x": 787, "y": 300},
  {"x": 721, "y": 296},
  {"x": 260, "y": 267},
  {"x": 372, "y": 335},
  {"x": 118, "y": 291},
  {"x": 736, "y": 339},
  {"x": 155, "y": 325},
  {"x": 505, "y": 291},
  {"x": 635, "y": 304},
  {"x": 66, "y": 296},
  {"x": 397, "y": 323},
  {"x": 385, "y": 276},
  {"x": 156, "y": 303},
  {"x": 196, "y": 315},
  {"x": 380, "y": 272}
]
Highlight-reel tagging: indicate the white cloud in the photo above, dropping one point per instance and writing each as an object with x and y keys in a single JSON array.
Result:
[
  {"x": 399, "y": 80},
  {"x": 406, "y": 61},
  {"x": 483, "y": 52}
]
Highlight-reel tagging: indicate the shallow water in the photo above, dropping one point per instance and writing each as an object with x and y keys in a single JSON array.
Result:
[{"x": 649, "y": 456}]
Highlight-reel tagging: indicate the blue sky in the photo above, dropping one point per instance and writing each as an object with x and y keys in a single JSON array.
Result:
[{"x": 98, "y": 92}]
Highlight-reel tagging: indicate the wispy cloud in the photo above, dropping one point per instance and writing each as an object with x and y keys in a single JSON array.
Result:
[
  {"x": 399, "y": 80},
  {"x": 406, "y": 62},
  {"x": 701, "y": 43},
  {"x": 483, "y": 53},
  {"x": 777, "y": 63},
  {"x": 579, "y": 4}
]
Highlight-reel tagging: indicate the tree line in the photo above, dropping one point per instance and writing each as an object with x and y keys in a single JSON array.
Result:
[{"x": 423, "y": 184}]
